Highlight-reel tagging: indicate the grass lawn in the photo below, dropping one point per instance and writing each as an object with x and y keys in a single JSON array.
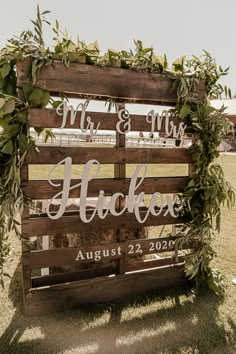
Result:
[{"x": 172, "y": 321}]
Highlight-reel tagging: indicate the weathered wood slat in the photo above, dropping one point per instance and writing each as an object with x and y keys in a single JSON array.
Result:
[
  {"x": 40, "y": 226},
  {"x": 63, "y": 256},
  {"x": 68, "y": 296},
  {"x": 115, "y": 250},
  {"x": 120, "y": 173},
  {"x": 40, "y": 189},
  {"x": 89, "y": 80},
  {"x": 59, "y": 278},
  {"x": 48, "y": 118},
  {"x": 231, "y": 117},
  {"x": 107, "y": 155},
  {"x": 101, "y": 270},
  {"x": 26, "y": 274},
  {"x": 153, "y": 263}
]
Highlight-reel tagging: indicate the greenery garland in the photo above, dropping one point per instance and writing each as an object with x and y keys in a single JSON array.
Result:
[{"x": 207, "y": 189}]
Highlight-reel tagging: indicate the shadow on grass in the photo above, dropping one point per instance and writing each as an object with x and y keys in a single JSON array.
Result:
[{"x": 171, "y": 321}]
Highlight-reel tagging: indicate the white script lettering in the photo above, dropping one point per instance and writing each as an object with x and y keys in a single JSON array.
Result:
[
  {"x": 156, "y": 120},
  {"x": 133, "y": 201},
  {"x": 63, "y": 110}
]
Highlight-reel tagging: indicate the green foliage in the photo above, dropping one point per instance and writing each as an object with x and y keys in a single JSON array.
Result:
[
  {"x": 207, "y": 189},
  {"x": 30, "y": 43},
  {"x": 7, "y": 75},
  {"x": 66, "y": 50},
  {"x": 205, "y": 193},
  {"x": 189, "y": 72},
  {"x": 141, "y": 59},
  {"x": 185, "y": 110},
  {"x": 39, "y": 98},
  {"x": 210, "y": 72},
  {"x": 215, "y": 282},
  {"x": 15, "y": 141},
  {"x": 11, "y": 142}
]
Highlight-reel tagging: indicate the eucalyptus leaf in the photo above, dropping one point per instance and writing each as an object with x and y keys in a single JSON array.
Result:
[
  {"x": 179, "y": 63},
  {"x": 4, "y": 122},
  {"x": 3, "y": 83},
  {"x": 4, "y": 70},
  {"x": 57, "y": 103},
  {"x": 39, "y": 98},
  {"x": 8, "y": 148},
  {"x": 22, "y": 117},
  {"x": 23, "y": 143},
  {"x": 27, "y": 89},
  {"x": 2, "y": 102},
  {"x": 93, "y": 46},
  {"x": 7, "y": 108},
  {"x": 38, "y": 130},
  {"x": 185, "y": 110}
]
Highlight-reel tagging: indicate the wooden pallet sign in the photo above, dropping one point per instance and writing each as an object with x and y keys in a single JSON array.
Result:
[{"x": 89, "y": 233}]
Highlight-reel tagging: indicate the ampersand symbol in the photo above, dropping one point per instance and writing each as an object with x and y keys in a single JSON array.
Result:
[{"x": 124, "y": 119}]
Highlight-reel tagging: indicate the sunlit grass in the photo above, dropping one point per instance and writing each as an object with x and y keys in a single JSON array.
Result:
[{"x": 107, "y": 171}]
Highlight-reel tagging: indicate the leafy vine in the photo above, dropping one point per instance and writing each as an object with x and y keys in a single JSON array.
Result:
[{"x": 207, "y": 189}]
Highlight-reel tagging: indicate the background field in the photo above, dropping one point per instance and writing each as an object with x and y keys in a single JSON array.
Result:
[{"x": 182, "y": 320}]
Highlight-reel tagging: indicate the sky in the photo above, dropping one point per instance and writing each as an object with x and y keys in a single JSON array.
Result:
[{"x": 176, "y": 28}]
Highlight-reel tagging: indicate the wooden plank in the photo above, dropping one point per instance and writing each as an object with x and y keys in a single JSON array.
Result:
[
  {"x": 103, "y": 252},
  {"x": 68, "y": 296},
  {"x": 48, "y": 118},
  {"x": 26, "y": 273},
  {"x": 108, "y": 155},
  {"x": 60, "y": 278},
  {"x": 101, "y": 270},
  {"x": 231, "y": 117},
  {"x": 103, "y": 82},
  {"x": 43, "y": 190},
  {"x": 120, "y": 173},
  {"x": 147, "y": 264},
  {"x": 39, "y": 226},
  {"x": 24, "y": 176}
]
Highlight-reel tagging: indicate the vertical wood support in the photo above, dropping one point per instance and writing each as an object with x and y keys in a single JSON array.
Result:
[
  {"x": 24, "y": 177},
  {"x": 26, "y": 273},
  {"x": 120, "y": 172},
  {"x": 176, "y": 256}
]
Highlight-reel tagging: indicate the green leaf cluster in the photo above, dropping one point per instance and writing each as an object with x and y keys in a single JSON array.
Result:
[
  {"x": 15, "y": 141},
  {"x": 206, "y": 191}
]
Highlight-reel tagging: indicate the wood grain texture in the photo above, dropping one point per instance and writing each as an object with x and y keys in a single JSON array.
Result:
[
  {"x": 108, "y": 155},
  {"x": 48, "y": 118},
  {"x": 26, "y": 273},
  {"x": 231, "y": 117},
  {"x": 60, "y": 278},
  {"x": 153, "y": 263},
  {"x": 120, "y": 173},
  {"x": 67, "y": 256},
  {"x": 39, "y": 226},
  {"x": 101, "y": 270},
  {"x": 57, "y": 298},
  {"x": 103, "y": 82},
  {"x": 40, "y": 189}
]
